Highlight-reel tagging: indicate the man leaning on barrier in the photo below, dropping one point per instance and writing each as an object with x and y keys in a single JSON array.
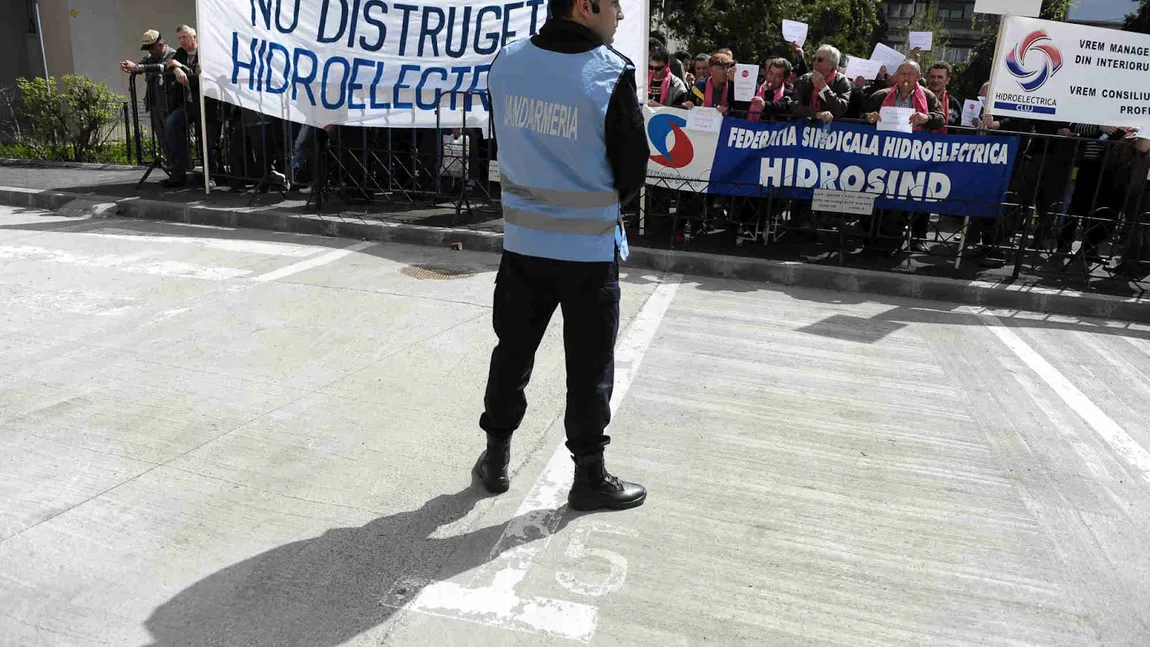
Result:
[
  {"x": 184, "y": 101},
  {"x": 156, "y": 94},
  {"x": 563, "y": 181}
]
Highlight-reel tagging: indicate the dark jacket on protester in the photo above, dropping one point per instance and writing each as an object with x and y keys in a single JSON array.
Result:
[
  {"x": 153, "y": 69},
  {"x": 627, "y": 148},
  {"x": 835, "y": 99},
  {"x": 935, "y": 118}
]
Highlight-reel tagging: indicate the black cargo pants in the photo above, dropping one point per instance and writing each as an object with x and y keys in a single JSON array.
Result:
[{"x": 527, "y": 291}]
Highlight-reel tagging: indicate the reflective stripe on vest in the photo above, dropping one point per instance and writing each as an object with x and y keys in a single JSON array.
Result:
[
  {"x": 575, "y": 199},
  {"x": 580, "y": 226},
  {"x": 559, "y": 197}
]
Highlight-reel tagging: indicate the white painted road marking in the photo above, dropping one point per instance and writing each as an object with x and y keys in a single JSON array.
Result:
[
  {"x": 139, "y": 263},
  {"x": 312, "y": 263},
  {"x": 536, "y": 520},
  {"x": 1103, "y": 425},
  {"x": 223, "y": 244}
]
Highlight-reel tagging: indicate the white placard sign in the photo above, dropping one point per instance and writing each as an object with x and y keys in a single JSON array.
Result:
[
  {"x": 843, "y": 201},
  {"x": 795, "y": 32},
  {"x": 890, "y": 57},
  {"x": 867, "y": 69},
  {"x": 1012, "y": 7},
  {"x": 1063, "y": 72},
  {"x": 895, "y": 119},
  {"x": 373, "y": 63},
  {"x": 746, "y": 82},
  {"x": 707, "y": 120},
  {"x": 921, "y": 40},
  {"x": 971, "y": 113}
]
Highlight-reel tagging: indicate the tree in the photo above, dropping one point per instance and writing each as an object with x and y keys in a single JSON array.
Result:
[
  {"x": 752, "y": 29},
  {"x": 977, "y": 71},
  {"x": 1139, "y": 20}
]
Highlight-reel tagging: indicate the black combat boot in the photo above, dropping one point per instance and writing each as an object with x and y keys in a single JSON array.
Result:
[
  {"x": 492, "y": 466},
  {"x": 595, "y": 488}
]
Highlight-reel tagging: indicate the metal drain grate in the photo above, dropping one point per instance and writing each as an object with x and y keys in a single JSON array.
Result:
[{"x": 437, "y": 272}]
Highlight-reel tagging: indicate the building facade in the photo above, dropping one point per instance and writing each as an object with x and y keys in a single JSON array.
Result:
[
  {"x": 88, "y": 37},
  {"x": 955, "y": 16}
]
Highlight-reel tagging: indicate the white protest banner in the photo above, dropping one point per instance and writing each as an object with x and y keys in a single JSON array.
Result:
[
  {"x": 1012, "y": 7},
  {"x": 373, "y": 62},
  {"x": 921, "y": 40},
  {"x": 746, "y": 82},
  {"x": 1056, "y": 71},
  {"x": 795, "y": 32}
]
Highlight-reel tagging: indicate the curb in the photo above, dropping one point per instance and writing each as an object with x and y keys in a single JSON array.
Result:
[
  {"x": 977, "y": 293},
  {"x": 87, "y": 166}
]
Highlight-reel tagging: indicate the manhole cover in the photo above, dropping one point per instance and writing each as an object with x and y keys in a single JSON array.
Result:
[{"x": 436, "y": 272}]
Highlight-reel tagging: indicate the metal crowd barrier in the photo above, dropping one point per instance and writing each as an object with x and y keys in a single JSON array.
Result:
[{"x": 1066, "y": 219}]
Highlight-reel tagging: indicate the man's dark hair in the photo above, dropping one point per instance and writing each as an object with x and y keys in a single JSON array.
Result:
[
  {"x": 659, "y": 53},
  {"x": 942, "y": 65},
  {"x": 783, "y": 64},
  {"x": 561, "y": 8}
]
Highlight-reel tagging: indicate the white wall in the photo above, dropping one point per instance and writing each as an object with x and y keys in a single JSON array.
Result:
[{"x": 94, "y": 31}]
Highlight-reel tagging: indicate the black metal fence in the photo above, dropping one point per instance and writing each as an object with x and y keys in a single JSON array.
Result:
[{"x": 1076, "y": 214}]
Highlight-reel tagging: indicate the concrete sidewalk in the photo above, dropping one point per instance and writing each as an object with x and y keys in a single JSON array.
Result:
[
  {"x": 431, "y": 226},
  {"x": 234, "y": 437}
]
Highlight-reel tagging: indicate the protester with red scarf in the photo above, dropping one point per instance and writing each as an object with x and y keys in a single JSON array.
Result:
[
  {"x": 775, "y": 97},
  {"x": 937, "y": 81},
  {"x": 823, "y": 93},
  {"x": 663, "y": 87},
  {"x": 908, "y": 93},
  {"x": 715, "y": 91}
]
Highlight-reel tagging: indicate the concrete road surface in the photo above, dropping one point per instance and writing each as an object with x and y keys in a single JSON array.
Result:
[{"x": 219, "y": 437}]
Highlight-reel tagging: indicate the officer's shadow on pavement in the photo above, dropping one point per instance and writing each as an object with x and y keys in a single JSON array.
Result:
[{"x": 329, "y": 589}]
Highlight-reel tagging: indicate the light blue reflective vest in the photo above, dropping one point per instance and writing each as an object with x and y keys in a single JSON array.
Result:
[{"x": 550, "y": 113}]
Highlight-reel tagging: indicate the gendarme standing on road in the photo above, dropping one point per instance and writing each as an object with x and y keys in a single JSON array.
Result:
[{"x": 572, "y": 147}]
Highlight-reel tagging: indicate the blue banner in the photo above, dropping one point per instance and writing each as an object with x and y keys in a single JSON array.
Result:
[{"x": 958, "y": 175}]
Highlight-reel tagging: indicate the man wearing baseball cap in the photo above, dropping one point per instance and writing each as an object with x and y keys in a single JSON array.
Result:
[{"x": 156, "y": 95}]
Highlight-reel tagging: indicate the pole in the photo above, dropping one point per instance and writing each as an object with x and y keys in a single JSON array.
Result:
[
  {"x": 203, "y": 108},
  {"x": 40, "y": 33},
  {"x": 204, "y": 142},
  {"x": 988, "y": 110}
]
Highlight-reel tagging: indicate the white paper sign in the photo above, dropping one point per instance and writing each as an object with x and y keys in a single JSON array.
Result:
[
  {"x": 971, "y": 113},
  {"x": 895, "y": 119},
  {"x": 1063, "y": 72},
  {"x": 867, "y": 69},
  {"x": 843, "y": 201},
  {"x": 315, "y": 63},
  {"x": 746, "y": 82},
  {"x": 1013, "y": 7},
  {"x": 707, "y": 120},
  {"x": 890, "y": 57},
  {"x": 922, "y": 40},
  {"x": 795, "y": 32},
  {"x": 493, "y": 171}
]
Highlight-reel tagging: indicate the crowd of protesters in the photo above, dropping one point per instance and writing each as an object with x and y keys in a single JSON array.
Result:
[
  {"x": 1079, "y": 184},
  {"x": 1068, "y": 173}
]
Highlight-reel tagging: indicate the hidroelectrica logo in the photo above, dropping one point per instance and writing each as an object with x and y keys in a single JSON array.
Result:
[
  {"x": 681, "y": 152},
  {"x": 1034, "y": 60}
]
